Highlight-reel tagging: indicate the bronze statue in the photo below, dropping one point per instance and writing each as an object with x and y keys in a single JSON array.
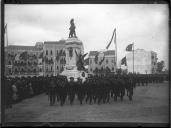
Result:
[
  {"x": 72, "y": 32},
  {"x": 80, "y": 61}
]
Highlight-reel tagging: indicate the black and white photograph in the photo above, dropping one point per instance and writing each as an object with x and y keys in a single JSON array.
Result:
[{"x": 86, "y": 63}]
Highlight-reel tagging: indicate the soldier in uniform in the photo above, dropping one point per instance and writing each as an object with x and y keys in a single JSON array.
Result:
[
  {"x": 62, "y": 92},
  {"x": 80, "y": 91},
  {"x": 52, "y": 92},
  {"x": 94, "y": 89},
  {"x": 8, "y": 94},
  {"x": 116, "y": 88},
  {"x": 121, "y": 88},
  {"x": 130, "y": 89},
  {"x": 89, "y": 92},
  {"x": 71, "y": 90},
  {"x": 100, "y": 90},
  {"x": 58, "y": 87}
]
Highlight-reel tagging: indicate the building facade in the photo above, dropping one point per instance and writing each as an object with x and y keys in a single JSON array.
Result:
[
  {"x": 23, "y": 60},
  {"x": 145, "y": 62},
  {"x": 53, "y": 57},
  {"x": 101, "y": 62}
]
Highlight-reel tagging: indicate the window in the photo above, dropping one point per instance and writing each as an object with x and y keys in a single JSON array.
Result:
[
  {"x": 51, "y": 52},
  {"x": 112, "y": 69},
  {"x": 51, "y": 68},
  {"x": 46, "y": 52},
  {"x": 91, "y": 69},
  {"x": 34, "y": 70},
  {"x": 9, "y": 70},
  {"x": 112, "y": 61},
  {"x": 40, "y": 70},
  {"x": 9, "y": 63},
  {"x": 107, "y": 61},
  {"x": 90, "y": 61}
]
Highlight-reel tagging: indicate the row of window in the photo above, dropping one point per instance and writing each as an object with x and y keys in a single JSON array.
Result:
[
  {"x": 93, "y": 70},
  {"x": 51, "y": 68},
  {"x": 28, "y": 70},
  {"x": 107, "y": 61},
  {"x": 61, "y": 52}
]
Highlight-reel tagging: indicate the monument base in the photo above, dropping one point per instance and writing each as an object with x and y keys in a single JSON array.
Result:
[
  {"x": 73, "y": 49},
  {"x": 75, "y": 74}
]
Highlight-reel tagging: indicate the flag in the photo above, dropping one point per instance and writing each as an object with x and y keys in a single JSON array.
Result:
[
  {"x": 111, "y": 38},
  {"x": 102, "y": 60},
  {"x": 41, "y": 55},
  {"x": 5, "y": 28},
  {"x": 17, "y": 57},
  {"x": 23, "y": 55},
  {"x": 96, "y": 58},
  {"x": 129, "y": 47},
  {"x": 123, "y": 61},
  {"x": 86, "y": 61}
]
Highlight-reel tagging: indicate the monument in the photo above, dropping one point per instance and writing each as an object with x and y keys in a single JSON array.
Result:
[{"x": 74, "y": 50}]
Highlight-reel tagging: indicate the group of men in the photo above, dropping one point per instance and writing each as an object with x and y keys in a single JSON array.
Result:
[
  {"x": 18, "y": 89},
  {"x": 96, "y": 89},
  {"x": 144, "y": 79}
]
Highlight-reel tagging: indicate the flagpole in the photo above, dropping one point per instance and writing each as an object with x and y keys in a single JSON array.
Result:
[
  {"x": 115, "y": 48},
  {"x": 133, "y": 57},
  {"x": 7, "y": 34},
  {"x": 54, "y": 62}
]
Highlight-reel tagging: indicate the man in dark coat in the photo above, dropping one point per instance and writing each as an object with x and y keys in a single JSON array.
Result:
[
  {"x": 71, "y": 90},
  {"x": 80, "y": 91},
  {"x": 89, "y": 91},
  {"x": 8, "y": 94},
  {"x": 52, "y": 91},
  {"x": 62, "y": 92}
]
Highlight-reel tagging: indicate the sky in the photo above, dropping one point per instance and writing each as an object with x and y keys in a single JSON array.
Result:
[{"x": 144, "y": 24}]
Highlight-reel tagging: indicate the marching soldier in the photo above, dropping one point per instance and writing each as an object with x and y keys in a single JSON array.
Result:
[
  {"x": 52, "y": 92},
  {"x": 89, "y": 92},
  {"x": 80, "y": 90},
  {"x": 8, "y": 94},
  {"x": 62, "y": 92},
  {"x": 130, "y": 89},
  {"x": 71, "y": 90}
]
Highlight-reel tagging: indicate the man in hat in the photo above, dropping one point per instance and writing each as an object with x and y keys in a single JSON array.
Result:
[
  {"x": 71, "y": 90},
  {"x": 52, "y": 91},
  {"x": 80, "y": 91}
]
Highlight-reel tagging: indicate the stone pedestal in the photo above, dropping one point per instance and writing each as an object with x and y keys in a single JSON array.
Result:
[{"x": 73, "y": 46}]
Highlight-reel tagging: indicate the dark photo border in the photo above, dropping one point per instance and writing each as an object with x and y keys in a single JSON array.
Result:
[{"x": 60, "y": 124}]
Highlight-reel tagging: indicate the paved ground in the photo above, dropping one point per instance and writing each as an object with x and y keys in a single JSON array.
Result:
[{"x": 150, "y": 104}]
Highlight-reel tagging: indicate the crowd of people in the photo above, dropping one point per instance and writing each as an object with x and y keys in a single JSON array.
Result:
[
  {"x": 18, "y": 89},
  {"x": 96, "y": 89}
]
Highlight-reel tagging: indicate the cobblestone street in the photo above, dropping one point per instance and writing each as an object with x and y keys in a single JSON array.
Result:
[{"x": 150, "y": 104}]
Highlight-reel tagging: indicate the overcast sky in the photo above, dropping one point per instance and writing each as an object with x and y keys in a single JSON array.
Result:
[{"x": 144, "y": 24}]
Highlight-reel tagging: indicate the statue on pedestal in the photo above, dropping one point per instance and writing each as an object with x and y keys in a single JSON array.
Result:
[
  {"x": 74, "y": 67},
  {"x": 72, "y": 32}
]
